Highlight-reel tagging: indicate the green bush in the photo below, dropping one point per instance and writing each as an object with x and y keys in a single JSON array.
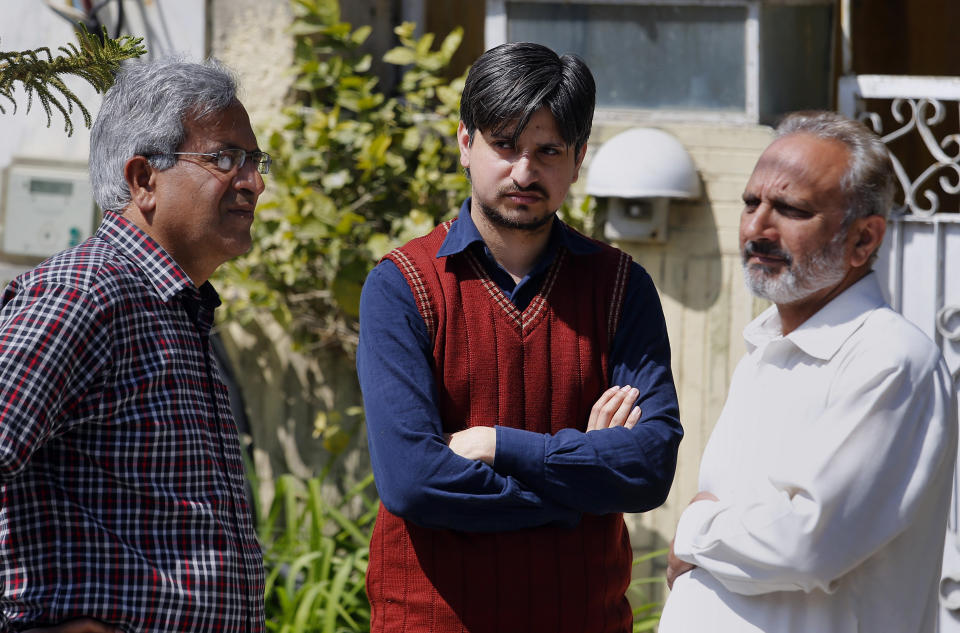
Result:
[
  {"x": 643, "y": 592},
  {"x": 315, "y": 555},
  {"x": 357, "y": 172}
]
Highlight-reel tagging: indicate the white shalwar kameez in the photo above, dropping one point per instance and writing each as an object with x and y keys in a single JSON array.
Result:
[{"x": 832, "y": 461}]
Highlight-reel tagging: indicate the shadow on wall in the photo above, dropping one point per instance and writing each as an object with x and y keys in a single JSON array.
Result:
[
  {"x": 284, "y": 392},
  {"x": 687, "y": 266}
]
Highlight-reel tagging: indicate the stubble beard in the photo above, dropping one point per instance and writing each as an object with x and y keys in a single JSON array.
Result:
[
  {"x": 495, "y": 216},
  {"x": 798, "y": 279}
]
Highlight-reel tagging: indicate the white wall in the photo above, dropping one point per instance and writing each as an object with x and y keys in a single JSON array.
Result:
[{"x": 168, "y": 27}]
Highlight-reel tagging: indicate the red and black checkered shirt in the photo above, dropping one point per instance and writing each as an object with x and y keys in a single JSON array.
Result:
[{"x": 121, "y": 477}]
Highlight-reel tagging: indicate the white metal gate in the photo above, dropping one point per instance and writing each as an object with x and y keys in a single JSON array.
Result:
[{"x": 919, "y": 262}]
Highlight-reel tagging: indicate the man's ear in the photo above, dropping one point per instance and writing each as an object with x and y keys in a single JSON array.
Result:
[
  {"x": 463, "y": 142},
  {"x": 141, "y": 179},
  {"x": 866, "y": 234}
]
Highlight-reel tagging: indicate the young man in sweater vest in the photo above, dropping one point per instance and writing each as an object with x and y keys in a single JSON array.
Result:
[{"x": 516, "y": 378}]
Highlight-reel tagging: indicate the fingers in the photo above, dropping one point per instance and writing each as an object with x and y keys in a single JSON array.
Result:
[
  {"x": 625, "y": 409},
  {"x": 615, "y": 408},
  {"x": 675, "y": 567},
  {"x": 674, "y": 572},
  {"x": 605, "y": 397},
  {"x": 703, "y": 495},
  {"x": 478, "y": 443},
  {"x": 633, "y": 418}
]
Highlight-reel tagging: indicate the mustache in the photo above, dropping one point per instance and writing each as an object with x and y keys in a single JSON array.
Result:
[
  {"x": 768, "y": 249},
  {"x": 534, "y": 187}
]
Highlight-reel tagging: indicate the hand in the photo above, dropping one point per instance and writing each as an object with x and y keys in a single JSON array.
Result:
[
  {"x": 82, "y": 625},
  {"x": 703, "y": 495},
  {"x": 675, "y": 566},
  {"x": 477, "y": 442},
  {"x": 615, "y": 408}
]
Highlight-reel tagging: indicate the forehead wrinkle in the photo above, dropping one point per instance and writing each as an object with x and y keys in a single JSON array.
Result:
[
  {"x": 206, "y": 141},
  {"x": 778, "y": 178}
]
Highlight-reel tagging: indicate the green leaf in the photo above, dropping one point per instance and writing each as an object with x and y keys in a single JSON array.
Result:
[
  {"x": 400, "y": 56},
  {"x": 336, "y": 180},
  {"x": 452, "y": 42},
  {"x": 657, "y": 553},
  {"x": 423, "y": 46},
  {"x": 357, "y": 171},
  {"x": 405, "y": 30},
  {"x": 646, "y": 624},
  {"x": 347, "y": 293},
  {"x": 299, "y": 564},
  {"x": 335, "y": 595},
  {"x": 306, "y": 609},
  {"x": 363, "y": 64},
  {"x": 361, "y": 34},
  {"x": 379, "y": 245}
]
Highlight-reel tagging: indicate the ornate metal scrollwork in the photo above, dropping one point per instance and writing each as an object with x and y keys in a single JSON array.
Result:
[
  {"x": 945, "y": 315},
  {"x": 920, "y": 115}
]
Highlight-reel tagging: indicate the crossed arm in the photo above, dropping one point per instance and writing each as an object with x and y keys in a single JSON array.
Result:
[
  {"x": 500, "y": 478},
  {"x": 675, "y": 566},
  {"x": 870, "y": 466},
  {"x": 614, "y": 408}
]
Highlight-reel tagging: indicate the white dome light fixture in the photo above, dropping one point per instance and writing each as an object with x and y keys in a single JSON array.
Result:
[{"x": 636, "y": 173}]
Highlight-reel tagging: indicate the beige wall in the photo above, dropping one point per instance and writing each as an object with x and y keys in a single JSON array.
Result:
[
  {"x": 697, "y": 271},
  {"x": 250, "y": 36}
]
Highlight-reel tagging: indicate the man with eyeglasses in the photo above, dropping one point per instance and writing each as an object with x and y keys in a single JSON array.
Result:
[{"x": 121, "y": 477}]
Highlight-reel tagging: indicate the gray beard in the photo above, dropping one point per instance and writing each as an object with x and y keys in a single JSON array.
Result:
[{"x": 803, "y": 278}]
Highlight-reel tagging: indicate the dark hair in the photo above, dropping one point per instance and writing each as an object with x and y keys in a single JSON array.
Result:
[{"x": 510, "y": 82}]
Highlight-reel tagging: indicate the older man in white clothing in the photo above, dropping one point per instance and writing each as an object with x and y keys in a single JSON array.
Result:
[{"x": 825, "y": 485}]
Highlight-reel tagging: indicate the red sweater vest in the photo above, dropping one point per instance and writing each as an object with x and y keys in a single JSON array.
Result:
[{"x": 541, "y": 370}]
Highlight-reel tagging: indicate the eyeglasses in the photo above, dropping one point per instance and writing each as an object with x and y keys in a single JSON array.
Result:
[{"x": 230, "y": 159}]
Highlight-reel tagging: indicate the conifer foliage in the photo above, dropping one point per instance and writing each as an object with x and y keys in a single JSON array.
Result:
[{"x": 94, "y": 59}]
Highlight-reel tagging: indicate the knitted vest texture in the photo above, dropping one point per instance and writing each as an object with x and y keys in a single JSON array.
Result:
[{"x": 541, "y": 370}]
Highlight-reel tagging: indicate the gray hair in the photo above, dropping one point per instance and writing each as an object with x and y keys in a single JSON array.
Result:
[
  {"x": 869, "y": 181},
  {"x": 143, "y": 113}
]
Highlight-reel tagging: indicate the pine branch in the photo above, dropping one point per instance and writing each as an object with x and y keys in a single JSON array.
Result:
[{"x": 94, "y": 60}]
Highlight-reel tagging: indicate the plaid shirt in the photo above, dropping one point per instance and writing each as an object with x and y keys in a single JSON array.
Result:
[{"x": 121, "y": 477}]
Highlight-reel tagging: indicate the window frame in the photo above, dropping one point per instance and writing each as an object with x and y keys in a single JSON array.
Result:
[{"x": 496, "y": 28}]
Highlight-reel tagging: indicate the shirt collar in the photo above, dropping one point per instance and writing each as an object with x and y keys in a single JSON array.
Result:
[
  {"x": 822, "y": 335},
  {"x": 463, "y": 232},
  {"x": 145, "y": 253}
]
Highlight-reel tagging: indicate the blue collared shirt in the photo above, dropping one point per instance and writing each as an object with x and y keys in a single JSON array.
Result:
[{"x": 536, "y": 478}]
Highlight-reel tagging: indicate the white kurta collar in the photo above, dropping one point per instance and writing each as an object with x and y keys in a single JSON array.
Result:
[{"x": 824, "y": 333}]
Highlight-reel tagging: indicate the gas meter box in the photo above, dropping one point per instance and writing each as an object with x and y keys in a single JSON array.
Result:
[{"x": 47, "y": 207}]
